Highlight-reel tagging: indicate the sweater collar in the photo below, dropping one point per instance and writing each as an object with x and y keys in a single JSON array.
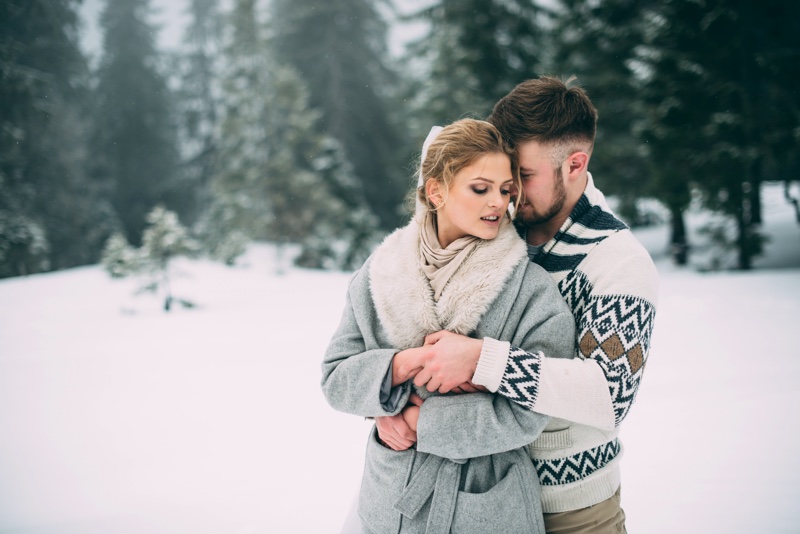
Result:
[
  {"x": 589, "y": 223},
  {"x": 591, "y": 216}
]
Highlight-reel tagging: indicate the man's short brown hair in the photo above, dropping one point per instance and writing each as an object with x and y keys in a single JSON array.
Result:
[{"x": 548, "y": 111}]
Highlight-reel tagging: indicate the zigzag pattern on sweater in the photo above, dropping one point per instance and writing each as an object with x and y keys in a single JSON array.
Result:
[
  {"x": 576, "y": 290},
  {"x": 615, "y": 331},
  {"x": 521, "y": 379},
  {"x": 610, "y": 326},
  {"x": 631, "y": 318},
  {"x": 576, "y": 467}
]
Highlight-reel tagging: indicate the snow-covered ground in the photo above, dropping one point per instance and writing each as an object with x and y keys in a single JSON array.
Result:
[{"x": 116, "y": 417}]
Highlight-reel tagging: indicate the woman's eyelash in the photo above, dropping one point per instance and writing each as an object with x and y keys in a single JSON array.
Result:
[{"x": 483, "y": 191}]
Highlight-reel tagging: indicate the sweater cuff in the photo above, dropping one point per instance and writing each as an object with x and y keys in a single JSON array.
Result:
[{"x": 491, "y": 364}]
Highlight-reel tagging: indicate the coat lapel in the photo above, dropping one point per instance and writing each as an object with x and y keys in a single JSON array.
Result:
[{"x": 403, "y": 296}]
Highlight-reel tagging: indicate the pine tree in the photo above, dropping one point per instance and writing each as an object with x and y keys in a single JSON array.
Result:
[
  {"x": 23, "y": 245},
  {"x": 278, "y": 178},
  {"x": 342, "y": 229},
  {"x": 119, "y": 259},
  {"x": 134, "y": 139},
  {"x": 198, "y": 102},
  {"x": 344, "y": 67},
  {"x": 163, "y": 240},
  {"x": 722, "y": 105},
  {"x": 598, "y": 42},
  {"x": 240, "y": 186},
  {"x": 474, "y": 53},
  {"x": 53, "y": 216}
]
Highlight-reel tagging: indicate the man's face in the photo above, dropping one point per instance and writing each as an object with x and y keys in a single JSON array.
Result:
[{"x": 545, "y": 192}]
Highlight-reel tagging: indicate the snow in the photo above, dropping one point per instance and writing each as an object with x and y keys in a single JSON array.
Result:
[{"x": 118, "y": 417}]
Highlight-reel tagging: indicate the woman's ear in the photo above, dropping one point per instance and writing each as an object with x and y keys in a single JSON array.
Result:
[{"x": 433, "y": 192}]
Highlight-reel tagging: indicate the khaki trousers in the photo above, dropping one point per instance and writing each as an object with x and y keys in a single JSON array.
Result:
[{"x": 604, "y": 517}]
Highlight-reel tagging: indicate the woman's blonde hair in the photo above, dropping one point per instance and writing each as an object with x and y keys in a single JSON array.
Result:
[{"x": 456, "y": 147}]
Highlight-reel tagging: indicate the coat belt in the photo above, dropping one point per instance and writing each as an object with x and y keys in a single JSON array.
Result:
[{"x": 440, "y": 477}]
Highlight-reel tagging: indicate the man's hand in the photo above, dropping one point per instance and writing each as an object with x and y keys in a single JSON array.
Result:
[
  {"x": 448, "y": 362},
  {"x": 469, "y": 387},
  {"x": 396, "y": 431}
]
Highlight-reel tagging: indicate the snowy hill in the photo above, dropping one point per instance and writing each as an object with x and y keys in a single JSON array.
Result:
[{"x": 117, "y": 417}]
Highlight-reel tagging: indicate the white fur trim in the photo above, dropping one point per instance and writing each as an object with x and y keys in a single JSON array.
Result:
[{"x": 403, "y": 296}]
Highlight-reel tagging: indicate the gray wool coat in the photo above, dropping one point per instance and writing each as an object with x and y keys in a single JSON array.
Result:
[{"x": 470, "y": 471}]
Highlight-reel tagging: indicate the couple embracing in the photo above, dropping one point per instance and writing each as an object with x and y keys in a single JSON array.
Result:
[{"x": 498, "y": 357}]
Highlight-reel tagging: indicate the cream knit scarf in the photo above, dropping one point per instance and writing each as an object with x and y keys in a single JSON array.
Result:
[{"x": 438, "y": 263}]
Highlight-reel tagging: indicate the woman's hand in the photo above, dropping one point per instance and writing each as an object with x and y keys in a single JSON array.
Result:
[
  {"x": 399, "y": 432},
  {"x": 406, "y": 364},
  {"x": 411, "y": 412}
]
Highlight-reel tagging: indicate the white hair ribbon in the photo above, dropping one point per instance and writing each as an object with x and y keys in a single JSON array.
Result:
[{"x": 433, "y": 134}]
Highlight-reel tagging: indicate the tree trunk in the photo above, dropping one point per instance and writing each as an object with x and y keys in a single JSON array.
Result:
[
  {"x": 791, "y": 200},
  {"x": 744, "y": 228},
  {"x": 743, "y": 241},
  {"x": 755, "y": 191},
  {"x": 678, "y": 244},
  {"x": 279, "y": 258}
]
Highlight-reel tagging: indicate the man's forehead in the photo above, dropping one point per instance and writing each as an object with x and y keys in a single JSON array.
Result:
[{"x": 533, "y": 149}]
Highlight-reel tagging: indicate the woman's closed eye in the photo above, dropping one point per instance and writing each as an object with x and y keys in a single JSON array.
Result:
[{"x": 504, "y": 191}]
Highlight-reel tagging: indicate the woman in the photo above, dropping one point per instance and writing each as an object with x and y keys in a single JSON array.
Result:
[{"x": 459, "y": 266}]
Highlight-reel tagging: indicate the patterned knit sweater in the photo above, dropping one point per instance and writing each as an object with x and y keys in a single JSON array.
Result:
[{"x": 610, "y": 283}]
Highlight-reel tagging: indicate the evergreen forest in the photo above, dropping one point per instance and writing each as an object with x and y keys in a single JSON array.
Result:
[{"x": 293, "y": 122}]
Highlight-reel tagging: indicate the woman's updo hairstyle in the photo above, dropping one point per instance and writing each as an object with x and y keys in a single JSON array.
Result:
[{"x": 456, "y": 147}]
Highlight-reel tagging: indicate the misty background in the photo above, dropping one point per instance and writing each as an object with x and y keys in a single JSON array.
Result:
[{"x": 298, "y": 122}]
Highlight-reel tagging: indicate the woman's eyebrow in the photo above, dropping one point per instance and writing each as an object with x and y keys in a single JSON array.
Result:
[{"x": 489, "y": 180}]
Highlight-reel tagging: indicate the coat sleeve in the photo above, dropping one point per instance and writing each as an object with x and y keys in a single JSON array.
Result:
[
  {"x": 475, "y": 424},
  {"x": 352, "y": 373},
  {"x": 478, "y": 424},
  {"x": 613, "y": 295}
]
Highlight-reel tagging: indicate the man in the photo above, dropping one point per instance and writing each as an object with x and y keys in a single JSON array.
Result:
[{"x": 609, "y": 282}]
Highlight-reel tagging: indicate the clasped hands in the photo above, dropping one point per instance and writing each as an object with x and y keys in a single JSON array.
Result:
[{"x": 444, "y": 363}]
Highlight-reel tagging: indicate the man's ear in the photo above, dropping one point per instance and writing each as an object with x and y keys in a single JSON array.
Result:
[{"x": 576, "y": 163}]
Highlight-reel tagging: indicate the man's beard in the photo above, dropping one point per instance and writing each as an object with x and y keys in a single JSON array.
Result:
[{"x": 528, "y": 216}]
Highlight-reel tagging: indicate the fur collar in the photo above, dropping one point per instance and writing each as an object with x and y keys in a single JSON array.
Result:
[{"x": 403, "y": 296}]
